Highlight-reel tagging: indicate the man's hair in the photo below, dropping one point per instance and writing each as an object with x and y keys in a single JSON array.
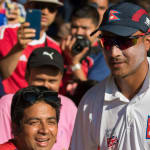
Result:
[
  {"x": 86, "y": 11},
  {"x": 28, "y": 96}
]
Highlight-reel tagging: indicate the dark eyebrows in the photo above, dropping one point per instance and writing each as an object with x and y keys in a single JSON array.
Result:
[
  {"x": 52, "y": 118},
  {"x": 38, "y": 119},
  {"x": 31, "y": 119},
  {"x": 102, "y": 7},
  {"x": 76, "y": 26}
]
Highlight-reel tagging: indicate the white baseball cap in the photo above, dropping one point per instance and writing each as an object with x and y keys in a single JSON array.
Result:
[{"x": 48, "y": 1}]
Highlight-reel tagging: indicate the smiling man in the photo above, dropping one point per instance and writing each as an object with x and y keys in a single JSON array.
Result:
[
  {"x": 35, "y": 115},
  {"x": 45, "y": 67}
]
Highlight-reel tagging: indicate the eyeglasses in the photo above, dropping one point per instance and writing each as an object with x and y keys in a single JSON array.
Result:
[
  {"x": 32, "y": 96},
  {"x": 119, "y": 41},
  {"x": 42, "y": 5}
]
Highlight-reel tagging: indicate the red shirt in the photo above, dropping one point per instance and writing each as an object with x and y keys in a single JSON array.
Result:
[
  {"x": 8, "y": 38},
  {"x": 8, "y": 146}
]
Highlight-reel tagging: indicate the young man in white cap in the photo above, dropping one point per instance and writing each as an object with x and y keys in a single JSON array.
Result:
[
  {"x": 16, "y": 44},
  {"x": 45, "y": 67},
  {"x": 115, "y": 114}
]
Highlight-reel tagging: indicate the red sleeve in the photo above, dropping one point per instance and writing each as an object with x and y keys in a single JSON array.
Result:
[
  {"x": 8, "y": 38},
  {"x": 7, "y": 146}
]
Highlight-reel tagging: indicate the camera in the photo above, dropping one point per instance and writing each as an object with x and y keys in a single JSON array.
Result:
[{"x": 80, "y": 44}]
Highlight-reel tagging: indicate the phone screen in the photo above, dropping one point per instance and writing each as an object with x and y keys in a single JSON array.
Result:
[{"x": 34, "y": 18}]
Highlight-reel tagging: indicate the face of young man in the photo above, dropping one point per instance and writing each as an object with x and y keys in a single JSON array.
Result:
[
  {"x": 38, "y": 127},
  {"x": 83, "y": 26},
  {"x": 129, "y": 61},
  {"x": 48, "y": 10},
  {"x": 45, "y": 76}
]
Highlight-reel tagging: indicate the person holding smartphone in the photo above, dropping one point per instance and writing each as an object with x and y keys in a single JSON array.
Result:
[{"x": 17, "y": 42}]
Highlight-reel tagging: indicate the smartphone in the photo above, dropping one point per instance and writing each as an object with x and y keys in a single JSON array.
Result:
[{"x": 33, "y": 16}]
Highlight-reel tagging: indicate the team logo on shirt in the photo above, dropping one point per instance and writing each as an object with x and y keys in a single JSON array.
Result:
[
  {"x": 112, "y": 143},
  {"x": 148, "y": 128}
]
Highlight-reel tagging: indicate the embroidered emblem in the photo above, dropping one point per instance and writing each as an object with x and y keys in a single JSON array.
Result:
[
  {"x": 23, "y": 58},
  {"x": 148, "y": 128},
  {"x": 113, "y": 16},
  {"x": 49, "y": 54},
  {"x": 147, "y": 22},
  {"x": 112, "y": 143}
]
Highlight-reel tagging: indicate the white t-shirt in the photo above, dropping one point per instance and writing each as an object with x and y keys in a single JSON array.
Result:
[{"x": 107, "y": 119}]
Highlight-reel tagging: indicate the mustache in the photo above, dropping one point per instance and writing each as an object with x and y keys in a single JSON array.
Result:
[{"x": 117, "y": 60}]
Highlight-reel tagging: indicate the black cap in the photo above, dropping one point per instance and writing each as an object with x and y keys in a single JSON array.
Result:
[
  {"x": 45, "y": 56},
  {"x": 124, "y": 19}
]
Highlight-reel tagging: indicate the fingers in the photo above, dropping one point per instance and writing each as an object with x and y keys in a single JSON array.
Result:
[
  {"x": 25, "y": 34},
  {"x": 76, "y": 59},
  {"x": 67, "y": 43}
]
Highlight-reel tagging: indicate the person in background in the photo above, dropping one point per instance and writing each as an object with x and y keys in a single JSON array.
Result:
[
  {"x": 83, "y": 53},
  {"x": 101, "y": 6},
  {"x": 35, "y": 113},
  {"x": 78, "y": 89},
  {"x": 11, "y": 12},
  {"x": 114, "y": 114},
  {"x": 45, "y": 67},
  {"x": 16, "y": 44}
]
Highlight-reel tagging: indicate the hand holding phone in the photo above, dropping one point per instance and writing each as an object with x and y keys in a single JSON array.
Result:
[{"x": 34, "y": 18}]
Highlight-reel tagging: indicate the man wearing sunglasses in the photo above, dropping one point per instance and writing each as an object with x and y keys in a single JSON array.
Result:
[
  {"x": 16, "y": 44},
  {"x": 45, "y": 67},
  {"x": 35, "y": 113},
  {"x": 115, "y": 114}
]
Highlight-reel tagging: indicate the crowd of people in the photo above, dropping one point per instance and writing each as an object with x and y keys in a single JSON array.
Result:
[{"x": 83, "y": 84}]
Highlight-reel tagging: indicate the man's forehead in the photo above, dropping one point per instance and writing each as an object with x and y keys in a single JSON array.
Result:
[
  {"x": 82, "y": 22},
  {"x": 100, "y": 3},
  {"x": 46, "y": 70}
]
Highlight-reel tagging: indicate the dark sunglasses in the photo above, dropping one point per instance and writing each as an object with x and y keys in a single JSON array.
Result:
[
  {"x": 119, "y": 41},
  {"x": 39, "y": 5},
  {"x": 32, "y": 96}
]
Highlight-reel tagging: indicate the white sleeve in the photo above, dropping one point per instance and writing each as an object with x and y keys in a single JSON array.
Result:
[{"x": 86, "y": 131}]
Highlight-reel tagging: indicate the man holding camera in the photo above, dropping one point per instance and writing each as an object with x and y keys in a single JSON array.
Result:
[
  {"x": 83, "y": 52},
  {"x": 16, "y": 44}
]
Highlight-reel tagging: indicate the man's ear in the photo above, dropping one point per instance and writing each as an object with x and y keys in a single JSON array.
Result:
[
  {"x": 15, "y": 129},
  {"x": 147, "y": 42}
]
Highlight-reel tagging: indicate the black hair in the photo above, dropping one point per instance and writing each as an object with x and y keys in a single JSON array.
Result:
[
  {"x": 20, "y": 101},
  {"x": 86, "y": 11}
]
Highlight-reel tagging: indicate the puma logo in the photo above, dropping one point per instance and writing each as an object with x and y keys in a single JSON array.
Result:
[{"x": 49, "y": 54}]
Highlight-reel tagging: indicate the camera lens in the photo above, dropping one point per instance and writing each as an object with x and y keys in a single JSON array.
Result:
[{"x": 80, "y": 44}]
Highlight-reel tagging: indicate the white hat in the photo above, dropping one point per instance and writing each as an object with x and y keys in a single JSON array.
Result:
[{"x": 48, "y": 1}]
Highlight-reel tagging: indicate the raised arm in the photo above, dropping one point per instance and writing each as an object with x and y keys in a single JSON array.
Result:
[{"x": 10, "y": 61}]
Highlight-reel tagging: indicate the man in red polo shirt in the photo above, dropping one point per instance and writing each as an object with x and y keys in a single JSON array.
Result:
[{"x": 16, "y": 44}]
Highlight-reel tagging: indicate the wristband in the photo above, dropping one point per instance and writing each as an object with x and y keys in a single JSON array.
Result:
[{"x": 76, "y": 67}]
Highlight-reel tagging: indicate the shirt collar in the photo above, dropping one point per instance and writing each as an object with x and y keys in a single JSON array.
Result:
[
  {"x": 112, "y": 92},
  {"x": 40, "y": 41}
]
